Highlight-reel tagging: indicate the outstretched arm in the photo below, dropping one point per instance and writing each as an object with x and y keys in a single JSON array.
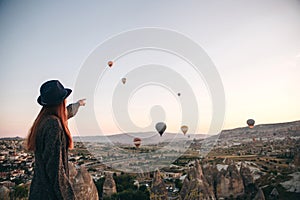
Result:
[{"x": 72, "y": 109}]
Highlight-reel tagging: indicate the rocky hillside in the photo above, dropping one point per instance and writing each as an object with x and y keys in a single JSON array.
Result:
[
  {"x": 209, "y": 183},
  {"x": 263, "y": 131},
  {"x": 81, "y": 180}
]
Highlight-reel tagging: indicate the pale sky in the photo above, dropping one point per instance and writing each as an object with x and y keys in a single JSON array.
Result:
[{"x": 255, "y": 46}]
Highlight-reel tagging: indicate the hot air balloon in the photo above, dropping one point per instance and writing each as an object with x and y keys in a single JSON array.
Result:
[
  {"x": 123, "y": 80},
  {"x": 184, "y": 129},
  {"x": 137, "y": 142},
  {"x": 161, "y": 127},
  {"x": 250, "y": 123},
  {"x": 110, "y": 63},
  {"x": 179, "y": 94}
]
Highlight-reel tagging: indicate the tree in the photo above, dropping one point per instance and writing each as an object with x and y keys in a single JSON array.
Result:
[
  {"x": 178, "y": 184},
  {"x": 144, "y": 189},
  {"x": 125, "y": 188},
  {"x": 99, "y": 185},
  {"x": 124, "y": 182},
  {"x": 20, "y": 191},
  {"x": 130, "y": 194}
]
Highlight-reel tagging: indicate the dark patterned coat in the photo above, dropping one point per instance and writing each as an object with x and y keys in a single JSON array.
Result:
[{"x": 51, "y": 172}]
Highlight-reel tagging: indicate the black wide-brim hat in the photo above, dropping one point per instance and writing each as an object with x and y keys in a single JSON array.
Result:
[{"x": 53, "y": 93}]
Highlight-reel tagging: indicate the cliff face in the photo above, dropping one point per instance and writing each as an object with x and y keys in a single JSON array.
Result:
[
  {"x": 109, "y": 185},
  {"x": 195, "y": 185},
  {"x": 158, "y": 189},
  {"x": 82, "y": 183}
]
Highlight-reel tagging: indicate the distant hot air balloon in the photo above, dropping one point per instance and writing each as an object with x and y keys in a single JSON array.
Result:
[
  {"x": 184, "y": 129},
  {"x": 161, "y": 127},
  {"x": 250, "y": 123},
  {"x": 179, "y": 94},
  {"x": 123, "y": 80},
  {"x": 110, "y": 63},
  {"x": 137, "y": 142}
]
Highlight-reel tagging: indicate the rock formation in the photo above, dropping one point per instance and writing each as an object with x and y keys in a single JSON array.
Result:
[
  {"x": 246, "y": 175},
  {"x": 260, "y": 195},
  {"x": 297, "y": 159},
  {"x": 82, "y": 183},
  {"x": 211, "y": 173},
  {"x": 274, "y": 194},
  {"x": 109, "y": 185},
  {"x": 227, "y": 182},
  {"x": 4, "y": 193},
  {"x": 195, "y": 185},
  {"x": 230, "y": 183},
  {"x": 158, "y": 189},
  {"x": 251, "y": 190}
]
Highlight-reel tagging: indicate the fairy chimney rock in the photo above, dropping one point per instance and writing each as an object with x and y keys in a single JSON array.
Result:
[
  {"x": 260, "y": 195},
  {"x": 195, "y": 185},
  {"x": 158, "y": 189},
  {"x": 83, "y": 184},
  {"x": 109, "y": 185},
  {"x": 230, "y": 183}
]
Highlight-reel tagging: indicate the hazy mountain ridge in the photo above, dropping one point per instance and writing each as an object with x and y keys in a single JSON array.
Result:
[
  {"x": 264, "y": 130},
  {"x": 261, "y": 130},
  {"x": 147, "y": 137},
  {"x": 12, "y": 138}
]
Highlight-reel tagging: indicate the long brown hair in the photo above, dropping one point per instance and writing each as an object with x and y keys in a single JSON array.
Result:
[{"x": 58, "y": 111}]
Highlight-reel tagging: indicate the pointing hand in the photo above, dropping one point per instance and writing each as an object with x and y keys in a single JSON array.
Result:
[{"x": 81, "y": 102}]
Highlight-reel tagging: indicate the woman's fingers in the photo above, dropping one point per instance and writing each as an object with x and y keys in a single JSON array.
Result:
[{"x": 82, "y": 102}]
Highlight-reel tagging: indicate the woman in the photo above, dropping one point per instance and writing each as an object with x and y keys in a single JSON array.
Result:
[{"x": 50, "y": 139}]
